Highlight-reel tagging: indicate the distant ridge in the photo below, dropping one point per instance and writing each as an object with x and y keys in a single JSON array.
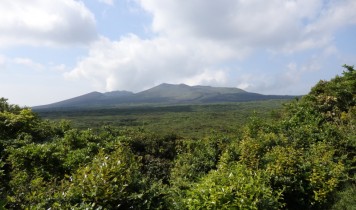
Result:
[{"x": 163, "y": 94}]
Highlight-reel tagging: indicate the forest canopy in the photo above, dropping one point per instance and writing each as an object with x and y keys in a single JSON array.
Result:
[{"x": 305, "y": 159}]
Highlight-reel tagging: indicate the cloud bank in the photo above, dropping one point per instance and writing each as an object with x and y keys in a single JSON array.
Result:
[
  {"x": 133, "y": 63},
  {"x": 195, "y": 41},
  {"x": 45, "y": 23}
]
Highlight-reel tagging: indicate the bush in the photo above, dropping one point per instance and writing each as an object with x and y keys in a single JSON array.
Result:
[{"x": 233, "y": 187}]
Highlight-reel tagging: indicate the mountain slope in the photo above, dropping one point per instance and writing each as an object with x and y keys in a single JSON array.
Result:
[
  {"x": 76, "y": 101},
  {"x": 89, "y": 99},
  {"x": 163, "y": 94},
  {"x": 184, "y": 92}
]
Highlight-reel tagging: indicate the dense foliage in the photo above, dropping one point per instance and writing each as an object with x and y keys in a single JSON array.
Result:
[
  {"x": 305, "y": 159},
  {"x": 186, "y": 120}
]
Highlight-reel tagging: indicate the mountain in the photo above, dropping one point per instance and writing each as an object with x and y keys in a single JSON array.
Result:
[
  {"x": 89, "y": 99},
  {"x": 163, "y": 94},
  {"x": 184, "y": 92}
]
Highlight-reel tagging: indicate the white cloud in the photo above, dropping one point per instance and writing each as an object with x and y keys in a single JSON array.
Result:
[
  {"x": 60, "y": 68},
  {"x": 42, "y": 22},
  {"x": 276, "y": 24},
  {"x": 134, "y": 64},
  {"x": 108, "y": 2},
  {"x": 194, "y": 41},
  {"x": 335, "y": 15},
  {"x": 287, "y": 81},
  {"x": 3, "y": 62},
  {"x": 22, "y": 61},
  {"x": 27, "y": 62},
  {"x": 210, "y": 77}
]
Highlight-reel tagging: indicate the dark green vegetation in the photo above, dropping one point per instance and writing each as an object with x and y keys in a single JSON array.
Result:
[
  {"x": 303, "y": 159},
  {"x": 164, "y": 94},
  {"x": 188, "y": 121}
]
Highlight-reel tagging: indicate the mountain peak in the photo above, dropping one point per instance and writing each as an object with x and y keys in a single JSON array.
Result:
[
  {"x": 172, "y": 85},
  {"x": 163, "y": 94},
  {"x": 118, "y": 93}
]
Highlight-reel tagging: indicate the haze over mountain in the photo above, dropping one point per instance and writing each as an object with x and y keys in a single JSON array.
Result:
[{"x": 163, "y": 94}]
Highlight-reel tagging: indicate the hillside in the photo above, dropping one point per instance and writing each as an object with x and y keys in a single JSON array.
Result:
[{"x": 163, "y": 94}]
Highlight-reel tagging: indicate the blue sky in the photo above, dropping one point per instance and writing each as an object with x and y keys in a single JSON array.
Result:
[{"x": 58, "y": 49}]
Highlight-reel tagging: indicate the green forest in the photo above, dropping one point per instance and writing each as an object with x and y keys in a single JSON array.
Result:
[
  {"x": 186, "y": 121},
  {"x": 298, "y": 156}
]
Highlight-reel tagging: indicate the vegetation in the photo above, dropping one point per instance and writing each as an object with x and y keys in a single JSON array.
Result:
[
  {"x": 305, "y": 159},
  {"x": 188, "y": 121}
]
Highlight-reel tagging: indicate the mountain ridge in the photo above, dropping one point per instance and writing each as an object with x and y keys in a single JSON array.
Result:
[{"x": 163, "y": 94}]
